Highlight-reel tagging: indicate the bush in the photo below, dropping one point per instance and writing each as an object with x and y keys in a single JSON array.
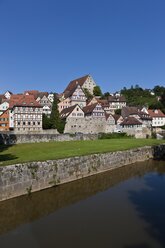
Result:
[
  {"x": 153, "y": 135},
  {"x": 113, "y": 136}
]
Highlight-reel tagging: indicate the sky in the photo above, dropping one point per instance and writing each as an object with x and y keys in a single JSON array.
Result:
[{"x": 44, "y": 44}]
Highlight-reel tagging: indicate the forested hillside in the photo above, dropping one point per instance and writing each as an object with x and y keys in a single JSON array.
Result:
[{"x": 137, "y": 96}]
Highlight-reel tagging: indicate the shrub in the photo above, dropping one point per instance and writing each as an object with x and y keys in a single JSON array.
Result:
[{"x": 113, "y": 136}]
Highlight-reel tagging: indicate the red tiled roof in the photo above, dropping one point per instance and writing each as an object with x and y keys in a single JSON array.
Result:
[
  {"x": 127, "y": 111},
  {"x": 73, "y": 83},
  {"x": 108, "y": 115},
  {"x": 130, "y": 121},
  {"x": 67, "y": 111},
  {"x": 104, "y": 103},
  {"x": 89, "y": 108},
  {"x": 156, "y": 113},
  {"x": 36, "y": 93},
  {"x": 116, "y": 99},
  {"x": 23, "y": 100}
]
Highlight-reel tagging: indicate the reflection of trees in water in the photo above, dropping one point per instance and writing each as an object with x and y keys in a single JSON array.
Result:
[
  {"x": 150, "y": 205},
  {"x": 26, "y": 209}
]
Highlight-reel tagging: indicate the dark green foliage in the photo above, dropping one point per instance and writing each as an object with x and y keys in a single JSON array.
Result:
[
  {"x": 97, "y": 91},
  {"x": 158, "y": 90},
  {"x": 88, "y": 95},
  {"x": 46, "y": 123},
  {"x": 54, "y": 121},
  {"x": 113, "y": 136},
  {"x": 54, "y": 116},
  {"x": 136, "y": 96},
  {"x": 153, "y": 135},
  {"x": 118, "y": 111},
  {"x": 163, "y": 101},
  {"x": 105, "y": 95}
]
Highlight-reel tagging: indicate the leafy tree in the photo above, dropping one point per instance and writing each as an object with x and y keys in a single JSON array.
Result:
[
  {"x": 136, "y": 96},
  {"x": 118, "y": 111},
  {"x": 158, "y": 90},
  {"x": 55, "y": 120},
  {"x": 46, "y": 123},
  {"x": 106, "y": 94},
  {"x": 87, "y": 93},
  {"x": 97, "y": 91}
]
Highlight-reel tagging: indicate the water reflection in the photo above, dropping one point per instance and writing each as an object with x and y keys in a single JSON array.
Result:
[
  {"x": 150, "y": 204},
  {"x": 106, "y": 210}
]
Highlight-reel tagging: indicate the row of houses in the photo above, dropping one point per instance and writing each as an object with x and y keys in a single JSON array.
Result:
[{"x": 23, "y": 112}]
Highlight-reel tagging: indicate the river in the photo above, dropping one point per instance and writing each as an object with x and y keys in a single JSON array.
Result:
[{"x": 123, "y": 208}]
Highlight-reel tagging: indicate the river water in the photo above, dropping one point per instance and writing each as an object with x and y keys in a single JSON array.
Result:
[{"x": 124, "y": 208}]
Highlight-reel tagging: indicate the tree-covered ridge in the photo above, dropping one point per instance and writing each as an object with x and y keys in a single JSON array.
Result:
[{"x": 137, "y": 96}]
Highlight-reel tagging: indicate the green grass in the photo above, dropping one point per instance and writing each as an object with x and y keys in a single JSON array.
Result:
[{"x": 54, "y": 150}]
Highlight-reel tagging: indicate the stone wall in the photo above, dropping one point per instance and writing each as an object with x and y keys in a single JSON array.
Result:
[
  {"x": 87, "y": 125},
  {"x": 20, "y": 179},
  {"x": 10, "y": 138},
  {"x": 139, "y": 133}
]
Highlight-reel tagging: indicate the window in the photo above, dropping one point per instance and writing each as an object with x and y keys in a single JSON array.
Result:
[
  {"x": 29, "y": 123},
  {"x": 38, "y": 123},
  {"x": 24, "y": 123},
  {"x": 33, "y": 123}
]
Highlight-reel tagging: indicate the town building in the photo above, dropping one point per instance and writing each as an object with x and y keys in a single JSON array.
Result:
[
  {"x": 74, "y": 95},
  {"x": 86, "y": 82},
  {"x": 115, "y": 102},
  {"x": 137, "y": 113},
  {"x": 25, "y": 113},
  {"x": 8, "y": 94},
  {"x": 43, "y": 98},
  {"x": 4, "y": 105},
  {"x": 4, "y": 121},
  {"x": 158, "y": 118}
]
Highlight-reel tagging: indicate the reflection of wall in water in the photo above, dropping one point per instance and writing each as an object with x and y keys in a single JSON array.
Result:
[{"x": 25, "y": 209}]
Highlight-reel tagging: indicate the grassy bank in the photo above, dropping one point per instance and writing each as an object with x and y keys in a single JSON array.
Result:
[{"x": 54, "y": 150}]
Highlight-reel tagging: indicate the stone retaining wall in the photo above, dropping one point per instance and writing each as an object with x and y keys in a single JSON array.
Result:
[
  {"x": 20, "y": 179},
  {"x": 11, "y": 138}
]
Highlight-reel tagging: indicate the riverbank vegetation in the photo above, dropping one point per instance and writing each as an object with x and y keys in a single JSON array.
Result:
[{"x": 21, "y": 153}]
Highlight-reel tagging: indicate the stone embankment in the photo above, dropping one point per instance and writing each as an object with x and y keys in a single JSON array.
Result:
[
  {"x": 20, "y": 179},
  {"x": 10, "y": 138}
]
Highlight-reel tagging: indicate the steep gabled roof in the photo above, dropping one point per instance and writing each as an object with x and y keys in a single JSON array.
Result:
[
  {"x": 127, "y": 111},
  {"x": 104, "y": 103},
  {"x": 67, "y": 111},
  {"x": 23, "y": 101},
  {"x": 116, "y": 117},
  {"x": 155, "y": 113},
  {"x": 108, "y": 115},
  {"x": 74, "y": 82},
  {"x": 130, "y": 121},
  {"x": 89, "y": 108},
  {"x": 36, "y": 93},
  {"x": 69, "y": 93}
]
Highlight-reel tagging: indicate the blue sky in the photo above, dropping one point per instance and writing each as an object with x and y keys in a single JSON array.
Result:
[{"x": 44, "y": 44}]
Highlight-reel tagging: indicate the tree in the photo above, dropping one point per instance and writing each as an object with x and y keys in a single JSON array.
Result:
[
  {"x": 118, "y": 111},
  {"x": 97, "y": 91},
  {"x": 46, "y": 123},
  {"x": 87, "y": 93},
  {"x": 158, "y": 90},
  {"x": 55, "y": 120}
]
